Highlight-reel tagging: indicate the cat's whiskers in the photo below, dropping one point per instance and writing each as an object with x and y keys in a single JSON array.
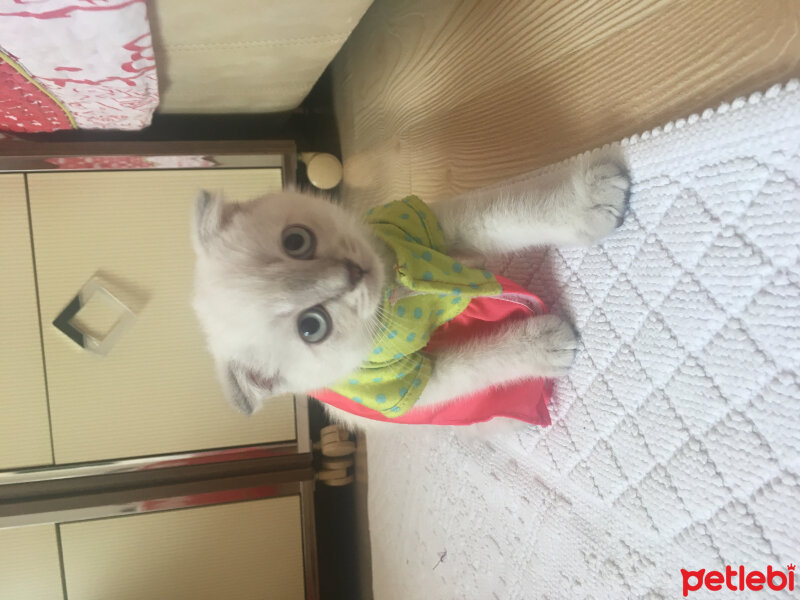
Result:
[
  {"x": 372, "y": 328},
  {"x": 375, "y": 325}
]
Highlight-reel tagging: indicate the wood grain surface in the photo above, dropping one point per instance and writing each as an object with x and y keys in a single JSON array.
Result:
[{"x": 434, "y": 98}]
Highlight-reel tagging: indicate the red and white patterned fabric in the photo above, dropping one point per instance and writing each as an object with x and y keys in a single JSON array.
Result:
[{"x": 68, "y": 64}]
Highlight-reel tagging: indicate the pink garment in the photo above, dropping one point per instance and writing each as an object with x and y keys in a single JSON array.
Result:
[{"x": 525, "y": 401}]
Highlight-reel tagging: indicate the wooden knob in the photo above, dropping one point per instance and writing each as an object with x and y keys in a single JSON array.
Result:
[
  {"x": 336, "y": 463},
  {"x": 324, "y": 170},
  {"x": 339, "y": 482},
  {"x": 338, "y": 448},
  {"x": 332, "y": 474}
]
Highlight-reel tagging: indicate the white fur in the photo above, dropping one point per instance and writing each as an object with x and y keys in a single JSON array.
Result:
[
  {"x": 249, "y": 293},
  {"x": 577, "y": 208}
]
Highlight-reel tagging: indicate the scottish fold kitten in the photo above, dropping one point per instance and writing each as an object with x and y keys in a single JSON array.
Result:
[{"x": 288, "y": 286}]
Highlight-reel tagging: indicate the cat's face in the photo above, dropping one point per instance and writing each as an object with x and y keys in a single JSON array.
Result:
[{"x": 287, "y": 291}]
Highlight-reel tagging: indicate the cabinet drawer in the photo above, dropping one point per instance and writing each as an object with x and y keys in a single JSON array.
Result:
[
  {"x": 24, "y": 422},
  {"x": 30, "y": 566},
  {"x": 242, "y": 550},
  {"x": 156, "y": 391}
]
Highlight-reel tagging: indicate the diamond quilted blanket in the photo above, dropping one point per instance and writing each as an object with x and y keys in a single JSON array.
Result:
[{"x": 675, "y": 441}]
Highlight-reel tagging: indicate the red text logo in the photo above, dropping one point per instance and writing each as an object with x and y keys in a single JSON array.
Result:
[{"x": 738, "y": 579}]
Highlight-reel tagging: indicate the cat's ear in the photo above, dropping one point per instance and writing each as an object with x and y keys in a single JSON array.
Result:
[
  {"x": 208, "y": 217},
  {"x": 235, "y": 394},
  {"x": 245, "y": 389}
]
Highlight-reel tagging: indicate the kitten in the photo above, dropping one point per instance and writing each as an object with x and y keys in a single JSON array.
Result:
[{"x": 288, "y": 286}]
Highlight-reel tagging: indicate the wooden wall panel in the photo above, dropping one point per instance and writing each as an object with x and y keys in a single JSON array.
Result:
[{"x": 439, "y": 97}]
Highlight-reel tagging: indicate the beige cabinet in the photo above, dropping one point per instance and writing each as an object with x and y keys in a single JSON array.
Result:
[
  {"x": 24, "y": 424},
  {"x": 123, "y": 472},
  {"x": 155, "y": 392},
  {"x": 245, "y": 550},
  {"x": 29, "y": 563}
]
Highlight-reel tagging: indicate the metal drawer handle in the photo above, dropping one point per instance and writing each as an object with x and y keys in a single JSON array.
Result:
[{"x": 95, "y": 291}]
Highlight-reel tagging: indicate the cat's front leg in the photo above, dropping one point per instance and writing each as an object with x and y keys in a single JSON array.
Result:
[
  {"x": 578, "y": 206},
  {"x": 542, "y": 346}
]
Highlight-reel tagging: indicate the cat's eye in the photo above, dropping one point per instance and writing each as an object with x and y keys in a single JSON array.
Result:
[
  {"x": 298, "y": 242},
  {"x": 314, "y": 325}
]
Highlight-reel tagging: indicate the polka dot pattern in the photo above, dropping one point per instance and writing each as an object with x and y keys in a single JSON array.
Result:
[{"x": 430, "y": 289}]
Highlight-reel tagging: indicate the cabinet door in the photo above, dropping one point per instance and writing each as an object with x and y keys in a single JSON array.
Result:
[
  {"x": 29, "y": 563},
  {"x": 245, "y": 550},
  {"x": 156, "y": 391},
  {"x": 24, "y": 424}
]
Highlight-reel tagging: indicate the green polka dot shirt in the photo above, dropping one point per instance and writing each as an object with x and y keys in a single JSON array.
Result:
[{"x": 429, "y": 289}]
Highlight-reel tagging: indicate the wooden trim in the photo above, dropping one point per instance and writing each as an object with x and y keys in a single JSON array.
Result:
[
  {"x": 290, "y": 167},
  {"x": 310, "y": 563},
  {"x": 50, "y": 488},
  {"x": 24, "y": 155},
  {"x": 146, "y": 463},
  {"x": 302, "y": 423},
  {"x": 108, "y": 504},
  {"x": 24, "y": 149}
]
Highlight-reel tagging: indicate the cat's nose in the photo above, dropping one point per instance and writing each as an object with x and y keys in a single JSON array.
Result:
[{"x": 354, "y": 272}]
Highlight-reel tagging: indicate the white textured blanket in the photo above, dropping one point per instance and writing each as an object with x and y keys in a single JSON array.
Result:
[{"x": 676, "y": 438}]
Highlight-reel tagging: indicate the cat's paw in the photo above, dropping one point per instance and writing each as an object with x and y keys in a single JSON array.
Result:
[
  {"x": 602, "y": 190},
  {"x": 553, "y": 343}
]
